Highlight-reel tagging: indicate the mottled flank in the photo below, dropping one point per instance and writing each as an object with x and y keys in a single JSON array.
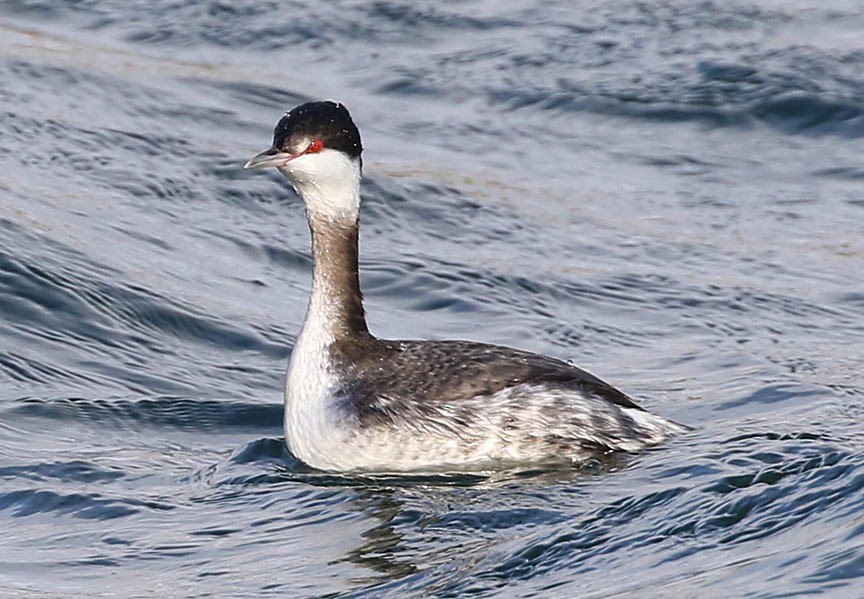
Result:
[
  {"x": 518, "y": 425},
  {"x": 418, "y": 404}
]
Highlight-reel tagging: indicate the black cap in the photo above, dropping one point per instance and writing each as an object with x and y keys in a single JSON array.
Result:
[{"x": 328, "y": 121}]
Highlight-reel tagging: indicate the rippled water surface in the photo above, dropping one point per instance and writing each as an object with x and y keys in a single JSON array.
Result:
[{"x": 669, "y": 194}]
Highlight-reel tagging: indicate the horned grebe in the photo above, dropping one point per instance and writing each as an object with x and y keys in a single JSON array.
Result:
[{"x": 354, "y": 402}]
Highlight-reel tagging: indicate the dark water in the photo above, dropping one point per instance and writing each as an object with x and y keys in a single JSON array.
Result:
[{"x": 669, "y": 194}]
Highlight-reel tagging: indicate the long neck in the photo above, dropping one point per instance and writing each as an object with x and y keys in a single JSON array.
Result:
[
  {"x": 329, "y": 183},
  {"x": 336, "y": 305}
]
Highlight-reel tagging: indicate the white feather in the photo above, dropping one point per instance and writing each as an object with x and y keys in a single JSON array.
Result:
[{"x": 329, "y": 183}]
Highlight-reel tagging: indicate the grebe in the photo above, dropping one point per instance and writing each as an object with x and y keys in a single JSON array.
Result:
[{"x": 354, "y": 402}]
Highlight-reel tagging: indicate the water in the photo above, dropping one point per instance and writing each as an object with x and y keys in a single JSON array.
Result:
[{"x": 670, "y": 196}]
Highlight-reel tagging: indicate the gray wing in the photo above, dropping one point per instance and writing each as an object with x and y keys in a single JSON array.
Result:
[{"x": 428, "y": 372}]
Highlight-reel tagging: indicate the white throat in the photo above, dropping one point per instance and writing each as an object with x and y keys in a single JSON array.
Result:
[{"x": 329, "y": 183}]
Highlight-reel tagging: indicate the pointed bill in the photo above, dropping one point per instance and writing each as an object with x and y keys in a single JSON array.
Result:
[{"x": 270, "y": 157}]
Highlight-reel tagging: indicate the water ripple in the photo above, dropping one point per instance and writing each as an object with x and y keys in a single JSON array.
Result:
[
  {"x": 171, "y": 412},
  {"x": 667, "y": 193}
]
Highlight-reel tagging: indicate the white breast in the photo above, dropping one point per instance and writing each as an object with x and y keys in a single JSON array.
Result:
[{"x": 313, "y": 432}]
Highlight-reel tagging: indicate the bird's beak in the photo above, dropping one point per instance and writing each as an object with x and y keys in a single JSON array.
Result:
[{"x": 270, "y": 157}]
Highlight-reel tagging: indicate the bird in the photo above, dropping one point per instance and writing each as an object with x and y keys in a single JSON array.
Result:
[{"x": 357, "y": 403}]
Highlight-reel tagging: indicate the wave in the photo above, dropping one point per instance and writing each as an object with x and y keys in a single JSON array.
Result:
[{"x": 159, "y": 412}]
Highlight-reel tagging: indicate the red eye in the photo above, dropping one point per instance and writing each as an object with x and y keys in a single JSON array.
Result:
[{"x": 316, "y": 146}]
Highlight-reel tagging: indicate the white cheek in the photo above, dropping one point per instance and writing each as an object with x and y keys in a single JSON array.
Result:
[{"x": 328, "y": 182}]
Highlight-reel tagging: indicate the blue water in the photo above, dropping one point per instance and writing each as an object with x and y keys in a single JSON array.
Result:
[{"x": 669, "y": 194}]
